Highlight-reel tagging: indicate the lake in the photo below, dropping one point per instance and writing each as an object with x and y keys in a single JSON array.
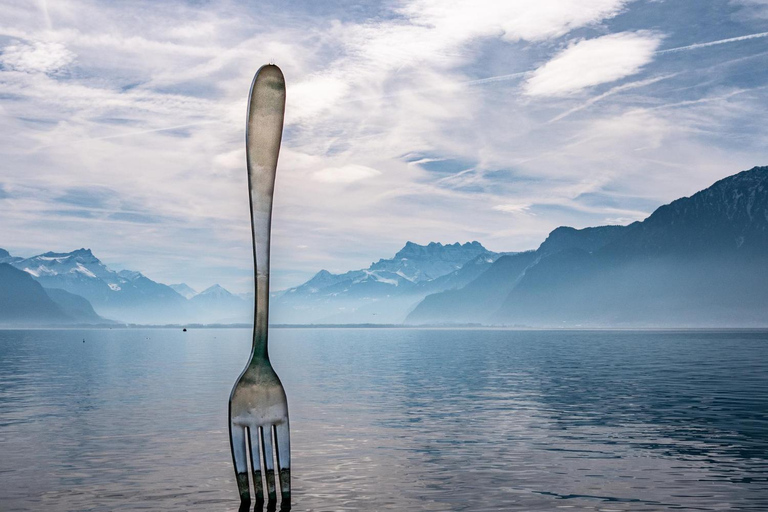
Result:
[{"x": 391, "y": 419}]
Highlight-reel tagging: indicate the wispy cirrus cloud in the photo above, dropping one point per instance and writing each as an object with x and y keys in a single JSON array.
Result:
[
  {"x": 529, "y": 20},
  {"x": 147, "y": 101},
  {"x": 417, "y": 49}
]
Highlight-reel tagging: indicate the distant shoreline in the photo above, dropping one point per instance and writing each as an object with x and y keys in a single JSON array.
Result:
[{"x": 378, "y": 326}]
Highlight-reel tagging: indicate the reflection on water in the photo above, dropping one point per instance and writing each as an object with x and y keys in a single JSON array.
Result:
[
  {"x": 259, "y": 506},
  {"x": 392, "y": 419}
]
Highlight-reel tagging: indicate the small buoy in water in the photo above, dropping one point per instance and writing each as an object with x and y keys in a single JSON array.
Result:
[
  {"x": 83, "y": 340},
  {"x": 184, "y": 329}
]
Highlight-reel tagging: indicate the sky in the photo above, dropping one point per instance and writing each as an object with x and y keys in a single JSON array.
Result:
[{"x": 122, "y": 124}]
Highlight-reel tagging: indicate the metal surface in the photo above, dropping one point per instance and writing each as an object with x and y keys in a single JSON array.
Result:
[{"x": 258, "y": 409}]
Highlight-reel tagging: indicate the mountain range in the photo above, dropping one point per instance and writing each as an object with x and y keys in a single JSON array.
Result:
[
  {"x": 89, "y": 292},
  {"x": 698, "y": 261},
  {"x": 385, "y": 291}
]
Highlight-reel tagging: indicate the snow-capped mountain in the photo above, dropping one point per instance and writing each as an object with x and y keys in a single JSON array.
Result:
[
  {"x": 418, "y": 263},
  {"x": 386, "y": 290},
  {"x": 126, "y": 295},
  {"x": 413, "y": 264},
  {"x": 75, "y": 263},
  {"x": 79, "y": 270}
]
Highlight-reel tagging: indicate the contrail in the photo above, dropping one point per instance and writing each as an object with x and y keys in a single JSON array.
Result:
[
  {"x": 713, "y": 43},
  {"x": 502, "y": 78},
  {"x": 499, "y": 78},
  {"x": 447, "y": 86},
  {"x": 653, "y": 80},
  {"x": 611, "y": 92},
  {"x": 512, "y": 76},
  {"x": 479, "y": 81}
]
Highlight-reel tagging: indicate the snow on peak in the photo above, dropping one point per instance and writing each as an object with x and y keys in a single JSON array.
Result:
[
  {"x": 426, "y": 262},
  {"x": 80, "y": 268},
  {"x": 73, "y": 266}
]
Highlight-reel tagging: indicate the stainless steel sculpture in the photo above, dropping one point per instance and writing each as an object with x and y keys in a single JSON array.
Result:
[{"x": 258, "y": 409}]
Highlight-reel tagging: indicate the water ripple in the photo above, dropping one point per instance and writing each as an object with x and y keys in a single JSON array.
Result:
[{"x": 392, "y": 419}]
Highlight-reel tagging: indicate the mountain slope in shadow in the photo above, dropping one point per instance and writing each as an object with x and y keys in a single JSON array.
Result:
[
  {"x": 24, "y": 302},
  {"x": 698, "y": 261}
]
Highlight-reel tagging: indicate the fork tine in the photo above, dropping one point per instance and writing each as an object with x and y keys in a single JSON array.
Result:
[
  {"x": 240, "y": 458},
  {"x": 269, "y": 464},
  {"x": 283, "y": 449},
  {"x": 258, "y": 486}
]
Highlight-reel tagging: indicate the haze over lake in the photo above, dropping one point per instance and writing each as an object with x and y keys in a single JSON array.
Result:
[{"x": 400, "y": 419}]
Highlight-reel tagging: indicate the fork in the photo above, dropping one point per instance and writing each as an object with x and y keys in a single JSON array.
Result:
[{"x": 258, "y": 409}]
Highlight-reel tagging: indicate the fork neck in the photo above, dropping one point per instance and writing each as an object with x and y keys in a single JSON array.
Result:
[
  {"x": 260, "y": 332},
  {"x": 261, "y": 314},
  {"x": 261, "y": 185}
]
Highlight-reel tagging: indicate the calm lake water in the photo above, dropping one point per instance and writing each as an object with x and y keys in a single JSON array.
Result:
[{"x": 391, "y": 419}]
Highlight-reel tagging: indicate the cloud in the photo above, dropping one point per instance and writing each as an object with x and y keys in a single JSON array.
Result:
[
  {"x": 416, "y": 50},
  {"x": 591, "y": 62},
  {"x": 512, "y": 208},
  {"x": 530, "y": 20},
  {"x": 230, "y": 161},
  {"x": 312, "y": 96},
  {"x": 440, "y": 79},
  {"x": 36, "y": 57},
  {"x": 345, "y": 174},
  {"x": 88, "y": 197}
]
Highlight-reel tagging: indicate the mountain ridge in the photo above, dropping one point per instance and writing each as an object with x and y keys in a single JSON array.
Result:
[
  {"x": 24, "y": 302},
  {"x": 699, "y": 260},
  {"x": 184, "y": 290},
  {"x": 88, "y": 288},
  {"x": 386, "y": 290}
]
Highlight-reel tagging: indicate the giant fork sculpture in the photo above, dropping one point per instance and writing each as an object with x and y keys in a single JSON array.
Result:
[{"x": 258, "y": 409}]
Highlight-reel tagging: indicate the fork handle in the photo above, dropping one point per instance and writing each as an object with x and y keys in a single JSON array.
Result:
[{"x": 266, "y": 110}]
